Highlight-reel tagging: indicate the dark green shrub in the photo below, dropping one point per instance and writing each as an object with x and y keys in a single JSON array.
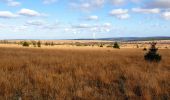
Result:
[
  {"x": 52, "y": 43},
  {"x": 152, "y": 55},
  {"x": 47, "y": 44},
  {"x": 110, "y": 46},
  {"x": 39, "y": 43},
  {"x": 25, "y": 44},
  {"x": 101, "y": 45},
  {"x": 144, "y": 49},
  {"x": 166, "y": 47},
  {"x": 116, "y": 45},
  {"x": 34, "y": 43}
]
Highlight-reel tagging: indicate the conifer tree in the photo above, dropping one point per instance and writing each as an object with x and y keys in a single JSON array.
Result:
[
  {"x": 152, "y": 54},
  {"x": 116, "y": 45}
]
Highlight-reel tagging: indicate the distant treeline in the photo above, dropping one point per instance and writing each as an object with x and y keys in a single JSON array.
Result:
[{"x": 7, "y": 42}]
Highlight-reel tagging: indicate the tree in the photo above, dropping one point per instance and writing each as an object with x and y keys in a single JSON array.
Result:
[
  {"x": 152, "y": 54},
  {"x": 116, "y": 45},
  {"x": 39, "y": 43},
  {"x": 25, "y": 44}
]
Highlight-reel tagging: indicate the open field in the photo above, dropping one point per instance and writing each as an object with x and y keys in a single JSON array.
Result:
[{"x": 82, "y": 74}]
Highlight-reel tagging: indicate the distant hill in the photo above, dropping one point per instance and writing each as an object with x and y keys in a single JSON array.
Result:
[
  {"x": 131, "y": 38},
  {"x": 107, "y": 39}
]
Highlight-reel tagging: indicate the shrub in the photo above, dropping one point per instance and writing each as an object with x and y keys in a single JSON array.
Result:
[
  {"x": 116, "y": 45},
  {"x": 137, "y": 46},
  {"x": 52, "y": 43},
  {"x": 152, "y": 55},
  {"x": 25, "y": 44},
  {"x": 47, "y": 44},
  {"x": 34, "y": 43},
  {"x": 166, "y": 47},
  {"x": 144, "y": 49},
  {"x": 110, "y": 46},
  {"x": 101, "y": 45},
  {"x": 39, "y": 43}
]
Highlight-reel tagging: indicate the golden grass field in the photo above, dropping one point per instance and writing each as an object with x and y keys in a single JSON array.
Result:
[{"x": 82, "y": 74}]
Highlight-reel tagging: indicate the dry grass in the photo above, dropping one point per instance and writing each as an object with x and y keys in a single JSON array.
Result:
[{"x": 50, "y": 74}]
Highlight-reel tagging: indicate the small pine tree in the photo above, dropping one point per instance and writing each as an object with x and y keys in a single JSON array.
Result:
[
  {"x": 152, "y": 55},
  {"x": 39, "y": 43},
  {"x": 25, "y": 44},
  {"x": 116, "y": 45}
]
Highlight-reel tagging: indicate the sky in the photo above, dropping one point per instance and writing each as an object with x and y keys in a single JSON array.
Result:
[{"x": 80, "y": 19}]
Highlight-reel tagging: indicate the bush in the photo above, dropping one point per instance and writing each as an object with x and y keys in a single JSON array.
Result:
[
  {"x": 39, "y": 44},
  {"x": 101, "y": 45},
  {"x": 144, "y": 49},
  {"x": 34, "y": 43},
  {"x": 152, "y": 55},
  {"x": 25, "y": 44},
  {"x": 137, "y": 46},
  {"x": 47, "y": 44},
  {"x": 110, "y": 46},
  {"x": 52, "y": 43},
  {"x": 116, "y": 45}
]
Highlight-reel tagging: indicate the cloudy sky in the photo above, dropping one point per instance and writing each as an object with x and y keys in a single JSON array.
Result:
[{"x": 72, "y": 19}]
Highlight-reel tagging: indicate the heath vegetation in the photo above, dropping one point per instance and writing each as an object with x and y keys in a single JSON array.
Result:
[{"x": 52, "y": 74}]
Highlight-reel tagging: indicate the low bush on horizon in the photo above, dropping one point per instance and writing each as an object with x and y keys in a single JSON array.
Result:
[{"x": 25, "y": 44}]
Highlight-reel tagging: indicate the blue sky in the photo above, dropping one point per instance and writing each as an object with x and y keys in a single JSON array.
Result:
[{"x": 73, "y": 19}]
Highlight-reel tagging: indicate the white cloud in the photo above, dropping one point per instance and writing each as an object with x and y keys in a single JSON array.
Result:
[
  {"x": 87, "y": 5},
  {"x": 118, "y": 2},
  {"x": 7, "y": 14},
  {"x": 123, "y": 16},
  {"x": 93, "y": 17},
  {"x": 29, "y": 12},
  {"x": 43, "y": 25},
  {"x": 107, "y": 24},
  {"x": 35, "y": 22},
  {"x": 136, "y": 1},
  {"x": 159, "y": 4},
  {"x": 49, "y": 1},
  {"x": 166, "y": 15},
  {"x": 146, "y": 11},
  {"x": 19, "y": 28},
  {"x": 92, "y": 28},
  {"x": 12, "y": 3},
  {"x": 81, "y": 26},
  {"x": 120, "y": 13}
]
